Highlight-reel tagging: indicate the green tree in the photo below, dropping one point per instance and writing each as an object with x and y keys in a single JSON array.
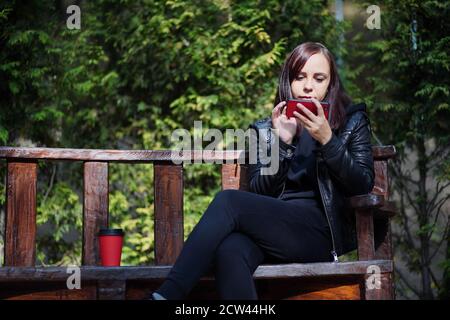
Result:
[{"x": 405, "y": 82}]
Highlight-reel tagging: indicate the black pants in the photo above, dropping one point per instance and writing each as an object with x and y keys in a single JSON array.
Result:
[{"x": 239, "y": 231}]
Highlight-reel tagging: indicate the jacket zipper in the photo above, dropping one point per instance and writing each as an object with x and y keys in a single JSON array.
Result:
[{"x": 333, "y": 252}]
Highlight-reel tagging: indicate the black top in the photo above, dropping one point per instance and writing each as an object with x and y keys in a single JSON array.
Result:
[{"x": 301, "y": 180}]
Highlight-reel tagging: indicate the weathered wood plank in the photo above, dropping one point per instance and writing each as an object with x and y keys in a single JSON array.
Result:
[
  {"x": 265, "y": 271},
  {"x": 292, "y": 270},
  {"x": 324, "y": 291},
  {"x": 47, "y": 291},
  {"x": 365, "y": 234},
  {"x": 119, "y": 155},
  {"x": 234, "y": 176},
  {"x": 168, "y": 221},
  {"x": 20, "y": 236},
  {"x": 366, "y": 201},
  {"x": 387, "y": 210},
  {"x": 382, "y": 208},
  {"x": 289, "y": 289},
  {"x": 95, "y": 209},
  {"x": 384, "y": 152},
  {"x": 379, "y": 153},
  {"x": 381, "y": 179},
  {"x": 311, "y": 288},
  {"x": 111, "y": 290}
]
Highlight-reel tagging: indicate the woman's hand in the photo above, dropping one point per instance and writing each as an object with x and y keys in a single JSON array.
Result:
[
  {"x": 317, "y": 126},
  {"x": 287, "y": 128}
]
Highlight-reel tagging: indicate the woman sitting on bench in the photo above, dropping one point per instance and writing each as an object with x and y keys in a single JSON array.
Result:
[{"x": 297, "y": 214}]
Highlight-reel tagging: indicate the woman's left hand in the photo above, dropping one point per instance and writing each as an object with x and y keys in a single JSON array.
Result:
[{"x": 317, "y": 126}]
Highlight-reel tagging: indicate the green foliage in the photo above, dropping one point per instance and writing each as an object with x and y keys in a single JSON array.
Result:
[
  {"x": 61, "y": 212},
  {"x": 131, "y": 207},
  {"x": 404, "y": 79}
]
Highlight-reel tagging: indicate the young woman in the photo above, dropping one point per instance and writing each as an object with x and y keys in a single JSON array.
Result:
[{"x": 299, "y": 213}]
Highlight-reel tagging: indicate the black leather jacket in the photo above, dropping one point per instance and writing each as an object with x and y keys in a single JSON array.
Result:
[{"x": 344, "y": 168}]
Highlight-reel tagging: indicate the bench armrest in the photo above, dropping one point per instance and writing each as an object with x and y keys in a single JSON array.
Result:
[{"x": 372, "y": 203}]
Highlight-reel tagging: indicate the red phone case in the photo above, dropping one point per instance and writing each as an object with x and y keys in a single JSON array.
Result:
[{"x": 292, "y": 106}]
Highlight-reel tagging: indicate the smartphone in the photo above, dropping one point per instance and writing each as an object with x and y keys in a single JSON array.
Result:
[{"x": 292, "y": 106}]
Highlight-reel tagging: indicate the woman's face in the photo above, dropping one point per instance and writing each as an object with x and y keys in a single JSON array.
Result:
[{"x": 313, "y": 79}]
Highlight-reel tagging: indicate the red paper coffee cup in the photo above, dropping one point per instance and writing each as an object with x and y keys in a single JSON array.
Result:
[{"x": 111, "y": 241}]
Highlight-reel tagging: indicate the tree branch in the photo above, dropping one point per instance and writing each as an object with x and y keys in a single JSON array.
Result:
[
  {"x": 444, "y": 237},
  {"x": 436, "y": 283},
  {"x": 50, "y": 187},
  {"x": 439, "y": 203},
  {"x": 432, "y": 204},
  {"x": 405, "y": 281},
  {"x": 405, "y": 222},
  {"x": 436, "y": 217},
  {"x": 402, "y": 288},
  {"x": 399, "y": 173},
  {"x": 437, "y": 155},
  {"x": 402, "y": 186}
]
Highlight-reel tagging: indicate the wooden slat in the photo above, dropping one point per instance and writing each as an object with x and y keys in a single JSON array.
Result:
[
  {"x": 381, "y": 179},
  {"x": 265, "y": 271},
  {"x": 95, "y": 208},
  {"x": 387, "y": 210},
  {"x": 379, "y": 153},
  {"x": 326, "y": 291},
  {"x": 20, "y": 238},
  {"x": 383, "y": 152},
  {"x": 168, "y": 222},
  {"x": 319, "y": 269},
  {"x": 381, "y": 207},
  {"x": 234, "y": 176},
  {"x": 316, "y": 288},
  {"x": 118, "y": 155},
  {"x": 366, "y": 201},
  {"x": 335, "y": 288},
  {"x": 365, "y": 234},
  {"x": 47, "y": 291}
]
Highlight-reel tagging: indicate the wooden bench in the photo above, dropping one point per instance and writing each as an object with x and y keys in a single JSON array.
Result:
[{"x": 21, "y": 279}]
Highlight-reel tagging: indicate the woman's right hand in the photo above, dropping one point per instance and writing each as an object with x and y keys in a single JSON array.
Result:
[{"x": 287, "y": 128}]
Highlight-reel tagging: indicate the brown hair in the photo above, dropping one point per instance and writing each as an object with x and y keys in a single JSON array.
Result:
[{"x": 336, "y": 95}]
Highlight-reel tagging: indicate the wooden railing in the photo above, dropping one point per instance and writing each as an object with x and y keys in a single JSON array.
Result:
[
  {"x": 168, "y": 187},
  {"x": 372, "y": 211}
]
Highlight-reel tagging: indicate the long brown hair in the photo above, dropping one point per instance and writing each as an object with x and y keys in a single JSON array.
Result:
[{"x": 336, "y": 95}]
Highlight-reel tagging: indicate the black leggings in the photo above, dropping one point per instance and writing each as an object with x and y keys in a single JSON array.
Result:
[{"x": 239, "y": 231}]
